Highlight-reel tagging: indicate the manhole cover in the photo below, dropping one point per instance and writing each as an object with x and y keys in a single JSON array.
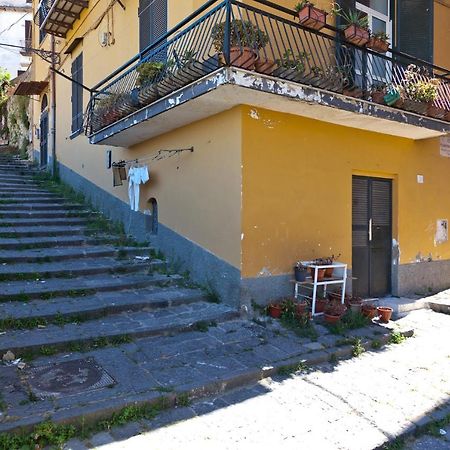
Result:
[{"x": 69, "y": 377}]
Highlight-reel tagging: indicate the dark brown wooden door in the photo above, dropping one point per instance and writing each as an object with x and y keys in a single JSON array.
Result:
[{"x": 372, "y": 236}]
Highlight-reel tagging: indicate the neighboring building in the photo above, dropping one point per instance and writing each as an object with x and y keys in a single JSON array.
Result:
[
  {"x": 283, "y": 146},
  {"x": 15, "y": 29}
]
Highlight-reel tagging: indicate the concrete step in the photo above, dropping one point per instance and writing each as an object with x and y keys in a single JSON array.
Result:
[
  {"x": 24, "y": 189},
  {"x": 401, "y": 305},
  {"x": 77, "y": 287},
  {"x": 98, "y": 305},
  {"x": 38, "y": 199},
  {"x": 77, "y": 268},
  {"x": 35, "y": 195},
  {"x": 17, "y": 184},
  {"x": 37, "y": 231},
  {"x": 52, "y": 221},
  {"x": 69, "y": 253},
  {"x": 27, "y": 243},
  {"x": 46, "y": 214},
  {"x": 41, "y": 207},
  {"x": 174, "y": 319}
]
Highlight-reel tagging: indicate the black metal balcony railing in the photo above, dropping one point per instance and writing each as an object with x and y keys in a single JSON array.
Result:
[
  {"x": 271, "y": 42},
  {"x": 58, "y": 16}
]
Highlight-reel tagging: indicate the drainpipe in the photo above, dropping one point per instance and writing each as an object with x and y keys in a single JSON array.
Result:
[{"x": 53, "y": 89}]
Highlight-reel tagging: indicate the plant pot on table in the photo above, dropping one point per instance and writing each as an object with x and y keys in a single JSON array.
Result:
[{"x": 300, "y": 274}]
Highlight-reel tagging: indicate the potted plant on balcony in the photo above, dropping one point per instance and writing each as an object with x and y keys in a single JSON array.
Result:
[
  {"x": 355, "y": 25},
  {"x": 378, "y": 92},
  {"x": 246, "y": 39},
  {"x": 419, "y": 91},
  {"x": 105, "y": 111},
  {"x": 149, "y": 74},
  {"x": 378, "y": 42},
  {"x": 310, "y": 16},
  {"x": 292, "y": 67},
  {"x": 333, "y": 312}
]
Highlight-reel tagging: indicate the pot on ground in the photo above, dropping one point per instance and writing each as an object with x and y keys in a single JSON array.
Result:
[
  {"x": 275, "y": 311},
  {"x": 355, "y": 308},
  {"x": 331, "y": 319},
  {"x": 385, "y": 313},
  {"x": 300, "y": 309},
  {"x": 369, "y": 311},
  {"x": 321, "y": 303}
]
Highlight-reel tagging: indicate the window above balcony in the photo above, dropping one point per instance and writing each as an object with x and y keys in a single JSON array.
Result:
[
  {"x": 230, "y": 53},
  {"x": 57, "y": 17}
]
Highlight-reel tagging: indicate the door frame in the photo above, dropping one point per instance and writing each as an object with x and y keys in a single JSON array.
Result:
[
  {"x": 44, "y": 115},
  {"x": 393, "y": 271}
]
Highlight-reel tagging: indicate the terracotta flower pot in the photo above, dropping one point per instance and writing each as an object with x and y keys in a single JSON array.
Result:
[
  {"x": 275, "y": 311},
  {"x": 300, "y": 309},
  {"x": 243, "y": 57},
  {"x": 415, "y": 107},
  {"x": 435, "y": 111},
  {"x": 329, "y": 272},
  {"x": 378, "y": 97},
  {"x": 385, "y": 313},
  {"x": 331, "y": 319},
  {"x": 265, "y": 66},
  {"x": 312, "y": 17},
  {"x": 447, "y": 116},
  {"x": 378, "y": 45},
  {"x": 356, "y": 35},
  {"x": 369, "y": 311},
  {"x": 321, "y": 303},
  {"x": 355, "y": 92},
  {"x": 320, "y": 274}
]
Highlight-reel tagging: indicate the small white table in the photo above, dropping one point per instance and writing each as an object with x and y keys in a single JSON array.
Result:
[{"x": 339, "y": 277}]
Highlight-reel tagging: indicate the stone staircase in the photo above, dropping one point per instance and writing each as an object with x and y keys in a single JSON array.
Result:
[{"x": 64, "y": 287}]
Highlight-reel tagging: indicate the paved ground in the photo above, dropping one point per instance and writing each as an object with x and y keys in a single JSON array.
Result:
[{"x": 357, "y": 404}]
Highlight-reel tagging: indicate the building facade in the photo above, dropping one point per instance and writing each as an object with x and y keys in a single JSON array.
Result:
[
  {"x": 295, "y": 157},
  {"x": 15, "y": 29}
]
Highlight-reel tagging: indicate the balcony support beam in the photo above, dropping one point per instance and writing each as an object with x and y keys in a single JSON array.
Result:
[{"x": 67, "y": 13}]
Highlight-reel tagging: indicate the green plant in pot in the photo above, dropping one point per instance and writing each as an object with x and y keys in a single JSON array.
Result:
[
  {"x": 149, "y": 74},
  {"x": 378, "y": 42},
  {"x": 310, "y": 16},
  {"x": 333, "y": 312},
  {"x": 355, "y": 25},
  {"x": 377, "y": 93},
  {"x": 292, "y": 67},
  {"x": 246, "y": 40},
  {"x": 105, "y": 108},
  {"x": 418, "y": 90}
]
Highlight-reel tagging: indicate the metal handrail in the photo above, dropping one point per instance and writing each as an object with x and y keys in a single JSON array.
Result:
[{"x": 292, "y": 52}]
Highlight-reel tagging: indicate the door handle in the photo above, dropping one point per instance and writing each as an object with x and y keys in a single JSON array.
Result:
[{"x": 370, "y": 230}]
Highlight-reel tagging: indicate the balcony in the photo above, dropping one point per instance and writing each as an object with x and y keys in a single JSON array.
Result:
[
  {"x": 57, "y": 17},
  {"x": 230, "y": 53}
]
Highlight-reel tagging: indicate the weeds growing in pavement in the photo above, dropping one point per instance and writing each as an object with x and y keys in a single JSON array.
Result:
[
  {"x": 357, "y": 349},
  {"x": 396, "y": 338}
]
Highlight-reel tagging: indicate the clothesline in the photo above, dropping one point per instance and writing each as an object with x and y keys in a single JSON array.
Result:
[{"x": 158, "y": 156}]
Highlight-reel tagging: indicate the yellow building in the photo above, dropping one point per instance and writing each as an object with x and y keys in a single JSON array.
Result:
[{"x": 296, "y": 155}]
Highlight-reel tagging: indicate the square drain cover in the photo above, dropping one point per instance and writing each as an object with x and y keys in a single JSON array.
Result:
[{"x": 69, "y": 377}]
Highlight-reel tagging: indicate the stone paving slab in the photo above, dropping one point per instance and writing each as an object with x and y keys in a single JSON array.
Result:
[
  {"x": 56, "y": 286},
  {"x": 357, "y": 404},
  {"x": 229, "y": 355},
  {"x": 101, "y": 303}
]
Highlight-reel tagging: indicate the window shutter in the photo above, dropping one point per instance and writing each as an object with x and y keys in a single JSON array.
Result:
[
  {"x": 77, "y": 94},
  {"x": 152, "y": 21},
  {"x": 415, "y": 28}
]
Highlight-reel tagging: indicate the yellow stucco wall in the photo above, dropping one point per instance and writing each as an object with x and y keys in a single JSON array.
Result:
[{"x": 297, "y": 176}]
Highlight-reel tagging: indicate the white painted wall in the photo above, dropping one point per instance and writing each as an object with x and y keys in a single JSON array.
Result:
[{"x": 12, "y": 11}]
